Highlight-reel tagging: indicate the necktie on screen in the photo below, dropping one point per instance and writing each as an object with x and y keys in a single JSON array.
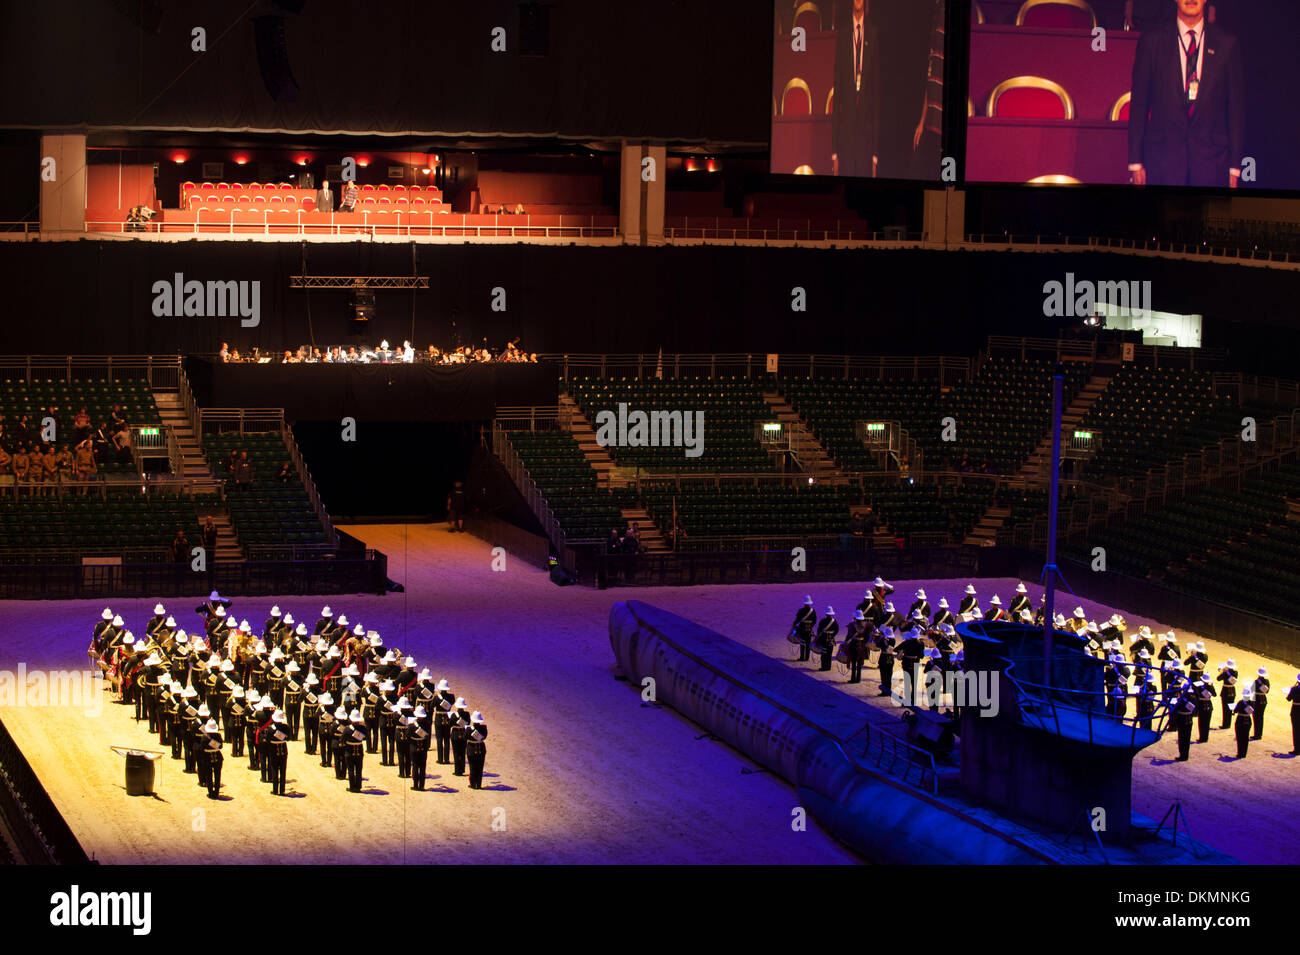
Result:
[
  {"x": 857, "y": 52},
  {"x": 1192, "y": 52}
]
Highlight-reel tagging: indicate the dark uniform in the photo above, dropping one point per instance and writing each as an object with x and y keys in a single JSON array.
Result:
[
  {"x": 1245, "y": 713},
  {"x": 233, "y": 717},
  {"x": 442, "y": 725},
  {"x": 1228, "y": 677},
  {"x": 356, "y": 753},
  {"x": 419, "y": 748},
  {"x": 325, "y": 731},
  {"x": 855, "y": 648},
  {"x": 884, "y": 641},
  {"x": 1018, "y": 603},
  {"x": 387, "y": 731},
  {"x": 252, "y": 720},
  {"x": 1204, "y": 708},
  {"x": 311, "y": 711},
  {"x": 210, "y": 743},
  {"x": 1184, "y": 716},
  {"x": 910, "y": 652},
  {"x": 942, "y": 615},
  {"x": 476, "y": 752},
  {"x": 1293, "y": 695},
  {"x": 1259, "y": 692},
  {"x": 277, "y": 753},
  {"x": 292, "y": 701},
  {"x": 969, "y": 604},
  {"x": 402, "y": 743},
  {"x": 342, "y": 730},
  {"x": 827, "y": 630},
  {"x": 370, "y": 700},
  {"x": 805, "y": 619},
  {"x": 459, "y": 734}
]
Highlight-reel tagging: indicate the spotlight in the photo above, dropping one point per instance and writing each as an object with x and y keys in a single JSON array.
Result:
[
  {"x": 179, "y": 158},
  {"x": 241, "y": 160}
]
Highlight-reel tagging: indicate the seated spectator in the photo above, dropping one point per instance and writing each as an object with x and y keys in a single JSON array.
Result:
[
  {"x": 180, "y": 548},
  {"x": 23, "y": 432},
  {"x": 244, "y": 472},
  {"x": 288, "y": 358},
  {"x": 224, "y": 354},
  {"x": 81, "y": 426},
  {"x": 286, "y": 473},
  {"x": 117, "y": 419}
]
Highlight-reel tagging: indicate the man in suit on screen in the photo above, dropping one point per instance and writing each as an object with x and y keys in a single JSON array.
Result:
[
  {"x": 1187, "y": 116},
  {"x": 855, "y": 111}
]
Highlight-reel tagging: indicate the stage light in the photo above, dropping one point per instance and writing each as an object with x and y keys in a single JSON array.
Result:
[
  {"x": 691, "y": 165},
  {"x": 712, "y": 166},
  {"x": 302, "y": 160},
  {"x": 812, "y": 480},
  {"x": 363, "y": 161},
  {"x": 179, "y": 158},
  {"x": 425, "y": 170},
  {"x": 241, "y": 160}
]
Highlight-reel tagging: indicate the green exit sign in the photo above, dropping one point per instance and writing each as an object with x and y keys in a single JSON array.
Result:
[
  {"x": 875, "y": 427},
  {"x": 149, "y": 432},
  {"x": 1085, "y": 435}
]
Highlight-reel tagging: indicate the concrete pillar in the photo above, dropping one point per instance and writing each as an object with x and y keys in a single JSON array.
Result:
[
  {"x": 641, "y": 193},
  {"x": 945, "y": 217},
  {"x": 63, "y": 197}
]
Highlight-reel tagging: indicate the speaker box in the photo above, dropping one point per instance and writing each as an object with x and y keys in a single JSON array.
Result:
[{"x": 273, "y": 59}]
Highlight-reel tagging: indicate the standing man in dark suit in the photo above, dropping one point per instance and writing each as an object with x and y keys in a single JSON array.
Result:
[
  {"x": 324, "y": 197},
  {"x": 1187, "y": 116},
  {"x": 855, "y": 111}
]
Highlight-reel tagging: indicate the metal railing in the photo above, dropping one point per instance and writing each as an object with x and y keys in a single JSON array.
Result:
[
  {"x": 223, "y": 420},
  {"x": 751, "y": 365},
  {"x": 188, "y": 405},
  {"x": 505, "y": 452},
  {"x": 895, "y": 756},
  {"x": 161, "y": 371},
  {"x": 316, "y": 228},
  {"x": 1071, "y": 350},
  {"x": 308, "y": 483}
]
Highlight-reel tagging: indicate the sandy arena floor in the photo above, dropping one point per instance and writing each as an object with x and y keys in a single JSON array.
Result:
[{"x": 577, "y": 768}]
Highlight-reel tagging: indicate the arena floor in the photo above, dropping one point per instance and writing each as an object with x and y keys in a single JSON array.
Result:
[{"x": 577, "y": 768}]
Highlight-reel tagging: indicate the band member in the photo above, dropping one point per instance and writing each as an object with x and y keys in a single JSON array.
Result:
[
  {"x": 387, "y": 722},
  {"x": 356, "y": 750},
  {"x": 233, "y": 717},
  {"x": 325, "y": 623},
  {"x": 277, "y": 749},
  {"x": 1245, "y": 715},
  {"x": 1078, "y": 623},
  {"x": 293, "y": 694},
  {"x": 1169, "y": 648},
  {"x": 1141, "y": 641},
  {"x": 1197, "y": 660},
  {"x": 252, "y": 720},
  {"x": 262, "y": 737},
  {"x": 805, "y": 619},
  {"x": 920, "y": 604},
  {"x": 1259, "y": 700},
  {"x": 1293, "y": 696},
  {"x": 1205, "y": 694},
  {"x": 325, "y": 729},
  {"x": 969, "y": 603},
  {"x": 446, "y": 704},
  {"x": 459, "y": 734},
  {"x": 884, "y": 641},
  {"x": 910, "y": 651},
  {"x": 827, "y": 630},
  {"x": 476, "y": 749},
  {"x": 210, "y": 744},
  {"x": 272, "y": 625},
  {"x": 418, "y": 741},
  {"x": 855, "y": 646},
  {"x": 880, "y": 591},
  {"x": 995, "y": 611},
  {"x": 943, "y": 614},
  {"x": 1171, "y": 672},
  {"x": 1228, "y": 677},
  {"x": 1019, "y": 602},
  {"x": 370, "y": 698},
  {"x": 1184, "y": 716}
]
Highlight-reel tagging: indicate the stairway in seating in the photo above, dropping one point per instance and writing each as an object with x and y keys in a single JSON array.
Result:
[
  {"x": 647, "y": 531},
  {"x": 985, "y": 532},
  {"x": 195, "y": 467},
  {"x": 813, "y": 458},
  {"x": 600, "y": 460},
  {"x": 1040, "y": 459}
]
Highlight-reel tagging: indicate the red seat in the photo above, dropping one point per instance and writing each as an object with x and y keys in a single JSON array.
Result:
[
  {"x": 259, "y": 198},
  {"x": 399, "y": 188},
  {"x": 401, "y": 202},
  {"x": 285, "y": 185},
  {"x": 243, "y": 200},
  {"x": 385, "y": 201},
  {"x": 419, "y": 223},
  {"x": 383, "y": 187},
  {"x": 308, "y": 204},
  {"x": 228, "y": 199},
  {"x": 238, "y": 186},
  {"x": 416, "y": 189},
  {"x": 223, "y": 187},
  {"x": 215, "y": 220},
  {"x": 1030, "y": 97},
  {"x": 254, "y": 187},
  {"x": 417, "y": 202},
  {"x": 194, "y": 202},
  {"x": 290, "y": 200},
  {"x": 367, "y": 188},
  {"x": 246, "y": 219},
  {"x": 277, "y": 200},
  {"x": 1057, "y": 14},
  {"x": 369, "y": 201}
]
